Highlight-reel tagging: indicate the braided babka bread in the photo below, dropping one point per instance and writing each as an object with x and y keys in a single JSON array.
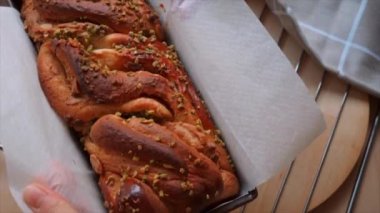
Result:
[
  {"x": 106, "y": 71},
  {"x": 180, "y": 167},
  {"x": 44, "y": 17}
]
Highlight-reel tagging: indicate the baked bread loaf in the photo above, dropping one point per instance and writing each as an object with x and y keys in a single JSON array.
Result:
[
  {"x": 180, "y": 171},
  {"x": 117, "y": 73},
  {"x": 43, "y": 18},
  {"x": 105, "y": 70}
]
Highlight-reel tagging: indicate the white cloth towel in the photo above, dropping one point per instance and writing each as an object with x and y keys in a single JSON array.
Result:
[{"x": 342, "y": 34}]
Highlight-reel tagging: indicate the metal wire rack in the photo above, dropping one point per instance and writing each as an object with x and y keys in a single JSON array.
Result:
[{"x": 262, "y": 11}]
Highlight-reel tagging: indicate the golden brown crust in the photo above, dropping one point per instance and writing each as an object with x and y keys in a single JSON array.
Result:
[
  {"x": 154, "y": 56},
  {"x": 41, "y": 30},
  {"x": 83, "y": 84},
  {"x": 176, "y": 171},
  {"x": 80, "y": 111},
  {"x": 204, "y": 141},
  {"x": 44, "y": 18},
  {"x": 129, "y": 195}
]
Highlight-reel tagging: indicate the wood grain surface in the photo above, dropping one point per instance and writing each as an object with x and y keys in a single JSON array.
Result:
[
  {"x": 7, "y": 204},
  {"x": 346, "y": 145}
]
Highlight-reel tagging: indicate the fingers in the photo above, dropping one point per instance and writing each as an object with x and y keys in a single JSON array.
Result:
[{"x": 41, "y": 199}]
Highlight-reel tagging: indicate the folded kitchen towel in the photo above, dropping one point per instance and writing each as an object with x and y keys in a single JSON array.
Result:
[{"x": 342, "y": 34}]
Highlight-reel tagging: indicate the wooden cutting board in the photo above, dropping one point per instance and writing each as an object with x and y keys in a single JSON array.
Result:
[
  {"x": 345, "y": 149},
  {"x": 346, "y": 128}
]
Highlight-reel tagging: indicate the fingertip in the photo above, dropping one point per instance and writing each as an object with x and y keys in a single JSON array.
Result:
[
  {"x": 41, "y": 199},
  {"x": 33, "y": 195}
]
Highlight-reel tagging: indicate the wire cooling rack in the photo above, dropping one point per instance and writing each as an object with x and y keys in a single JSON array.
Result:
[{"x": 280, "y": 35}]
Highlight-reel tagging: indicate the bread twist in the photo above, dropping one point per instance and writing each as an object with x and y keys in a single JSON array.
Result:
[
  {"x": 161, "y": 151},
  {"x": 43, "y": 18},
  {"x": 168, "y": 160}
]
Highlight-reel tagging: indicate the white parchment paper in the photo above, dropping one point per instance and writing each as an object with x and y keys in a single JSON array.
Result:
[
  {"x": 260, "y": 104},
  {"x": 37, "y": 144},
  {"x": 255, "y": 97}
]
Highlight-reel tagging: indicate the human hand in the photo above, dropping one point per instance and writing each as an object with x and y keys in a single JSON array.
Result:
[{"x": 41, "y": 199}]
